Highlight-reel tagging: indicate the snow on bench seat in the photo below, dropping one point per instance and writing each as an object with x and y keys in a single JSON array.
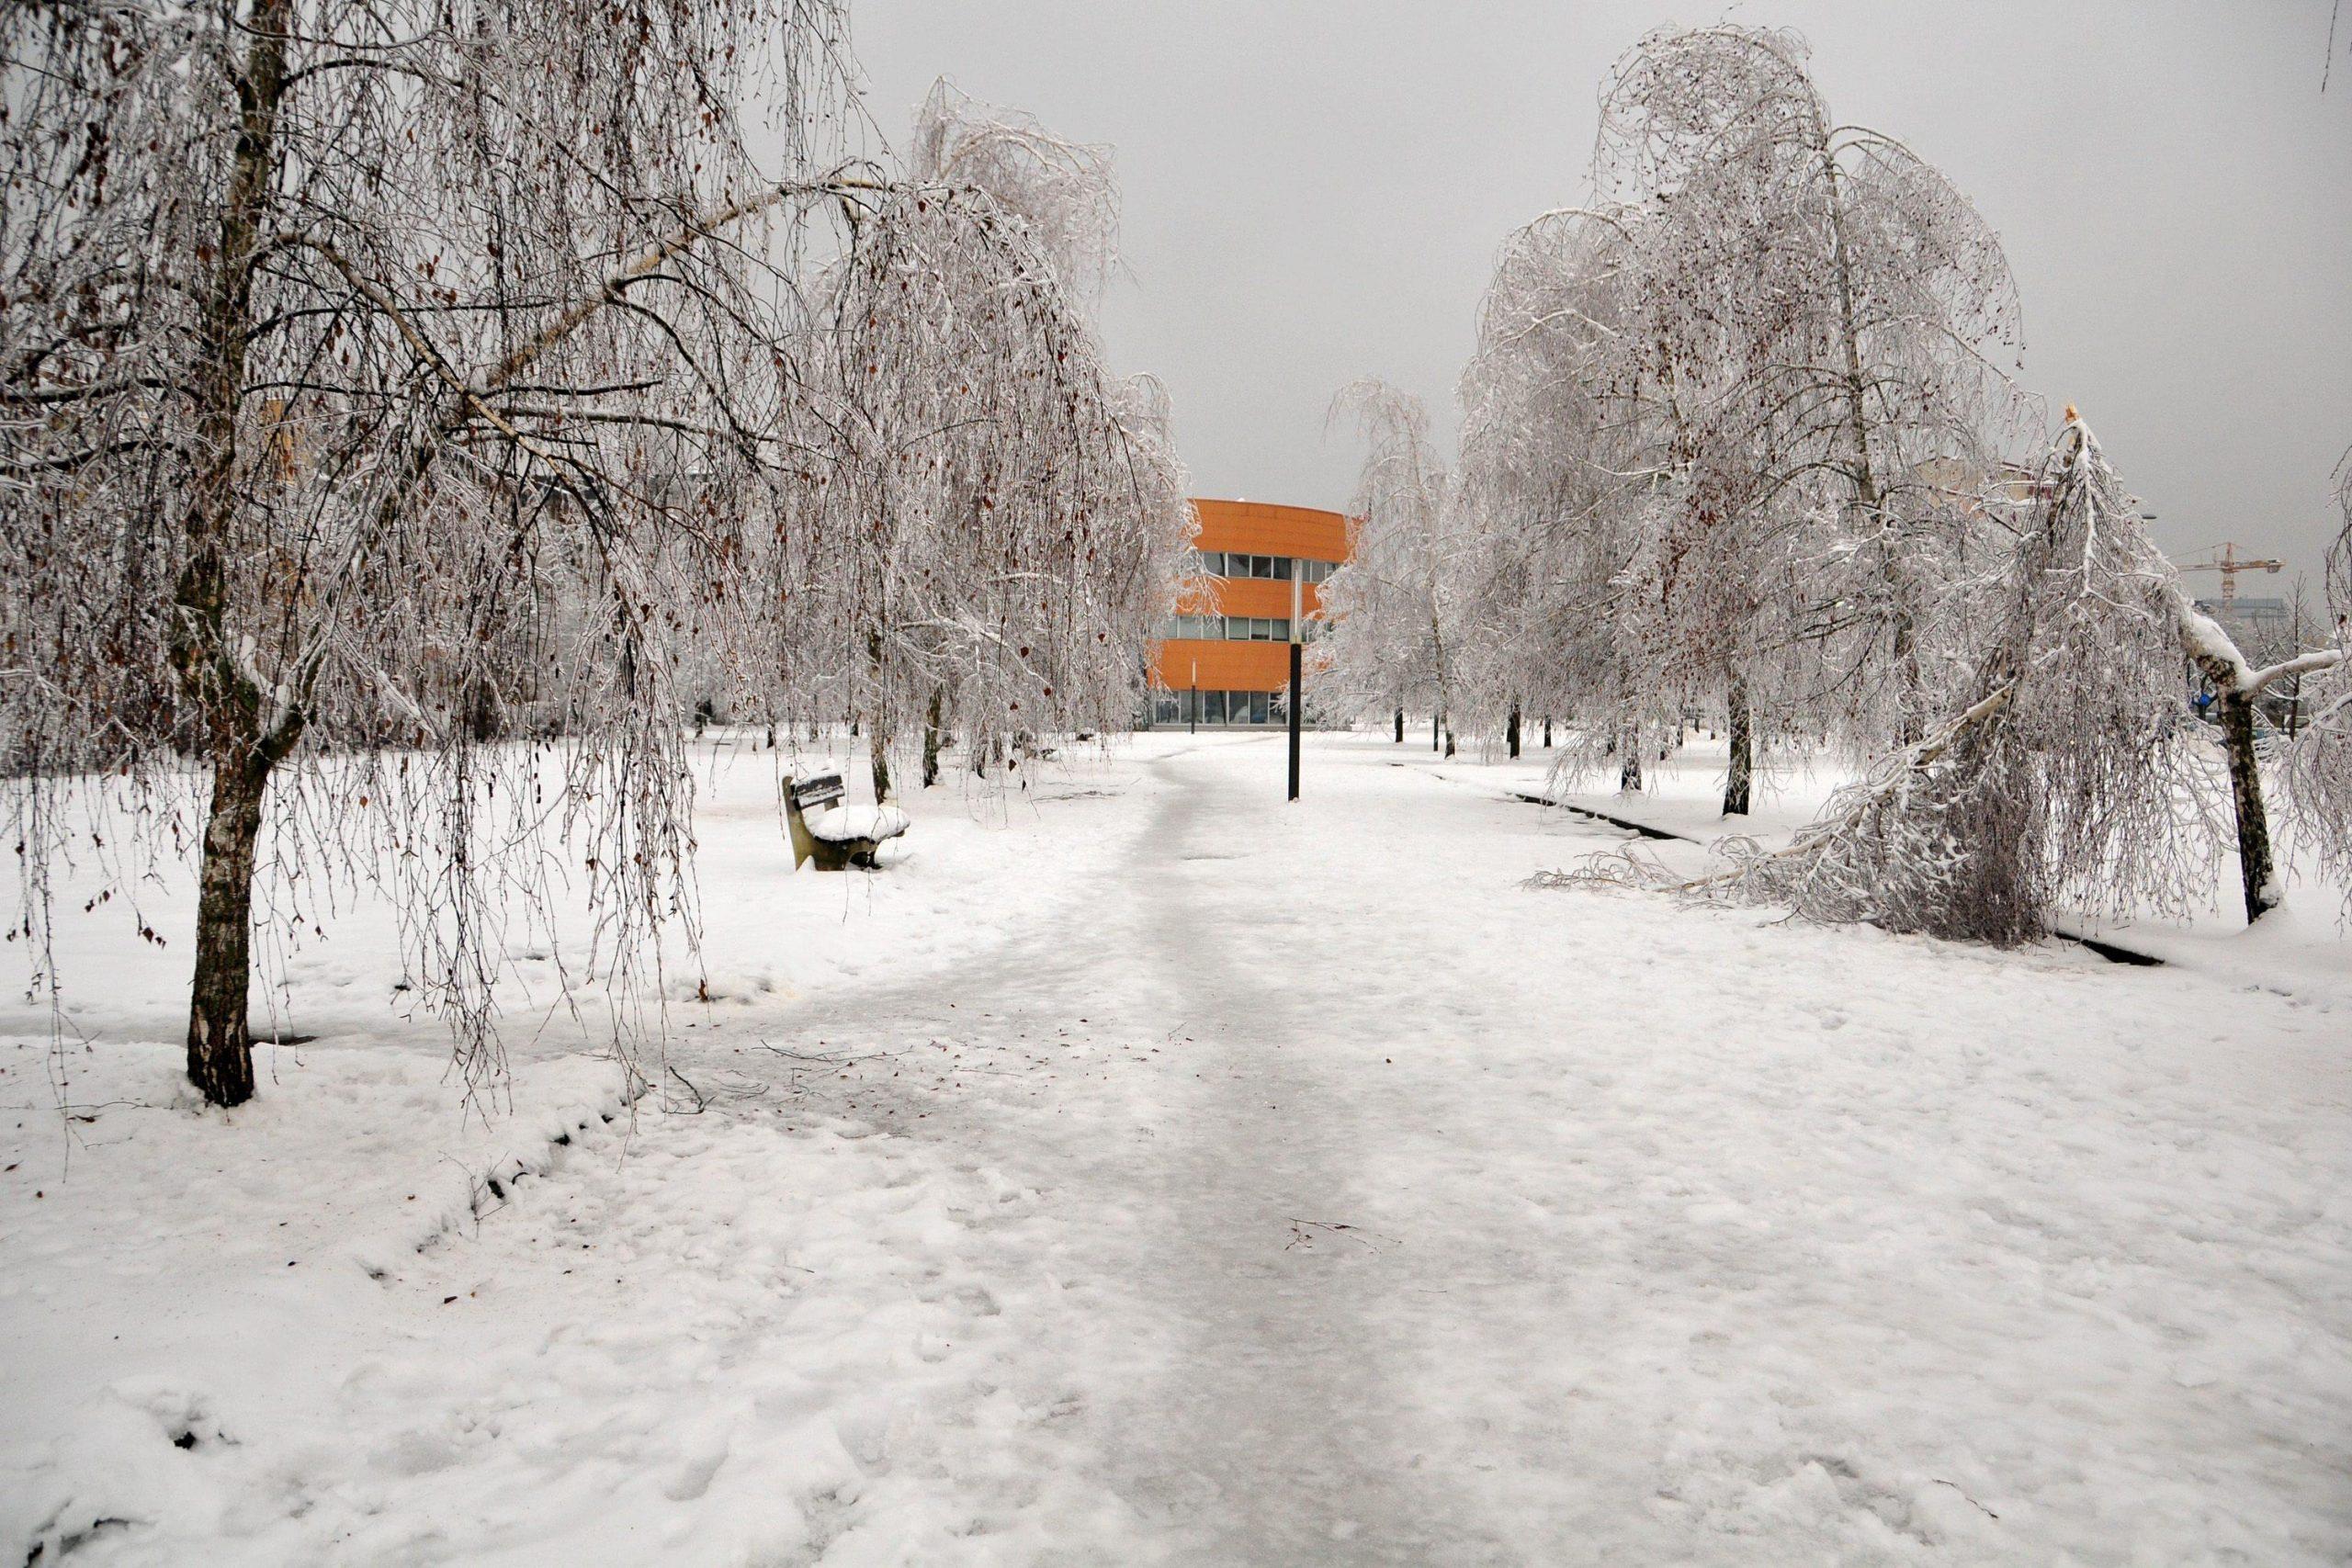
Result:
[{"x": 844, "y": 824}]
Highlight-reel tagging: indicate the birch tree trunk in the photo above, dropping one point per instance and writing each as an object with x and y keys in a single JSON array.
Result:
[
  {"x": 877, "y": 723},
  {"x": 1742, "y": 769},
  {"x": 219, "y": 1047},
  {"x": 877, "y": 752},
  {"x": 220, "y": 1039},
  {"x": 931, "y": 739},
  {"x": 1902, "y": 614},
  {"x": 2254, "y": 867}
]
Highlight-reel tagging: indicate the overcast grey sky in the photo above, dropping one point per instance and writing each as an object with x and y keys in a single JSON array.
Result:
[{"x": 1315, "y": 191}]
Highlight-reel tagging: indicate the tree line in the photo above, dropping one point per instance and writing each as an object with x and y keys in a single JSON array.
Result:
[
  {"x": 411, "y": 410},
  {"x": 1744, "y": 436}
]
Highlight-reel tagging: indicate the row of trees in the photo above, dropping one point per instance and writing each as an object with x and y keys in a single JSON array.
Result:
[
  {"x": 384, "y": 379},
  {"x": 1736, "y": 440},
  {"x": 990, "y": 524}
]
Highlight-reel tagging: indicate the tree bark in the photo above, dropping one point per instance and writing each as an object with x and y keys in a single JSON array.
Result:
[
  {"x": 1903, "y": 613},
  {"x": 1629, "y": 770},
  {"x": 1547, "y": 732},
  {"x": 1435, "y": 725},
  {"x": 220, "y": 1039},
  {"x": 877, "y": 752},
  {"x": 1400, "y": 726},
  {"x": 931, "y": 739},
  {"x": 2255, "y": 868},
  {"x": 1510, "y": 733},
  {"x": 1743, "y": 752},
  {"x": 877, "y": 740},
  {"x": 220, "y": 691}
]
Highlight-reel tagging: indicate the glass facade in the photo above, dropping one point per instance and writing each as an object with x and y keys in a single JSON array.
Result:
[
  {"x": 1233, "y": 563},
  {"x": 1221, "y": 707},
  {"x": 1236, "y": 628}
]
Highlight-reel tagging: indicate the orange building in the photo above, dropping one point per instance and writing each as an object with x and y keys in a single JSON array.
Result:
[{"x": 1226, "y": 655}]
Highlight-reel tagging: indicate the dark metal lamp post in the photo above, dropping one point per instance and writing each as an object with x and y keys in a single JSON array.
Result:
[{"x": 1297, "y": 663}]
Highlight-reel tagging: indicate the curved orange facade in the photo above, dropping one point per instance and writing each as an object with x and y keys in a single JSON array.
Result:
[{"x": 1227, "y": 656}]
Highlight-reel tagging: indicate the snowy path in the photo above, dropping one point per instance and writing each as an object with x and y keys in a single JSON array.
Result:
[
  {"x": 1287, "y": 1185},
  {"x": 1665, "y": 1235},
  {"x": 1284, "y": 1430}
]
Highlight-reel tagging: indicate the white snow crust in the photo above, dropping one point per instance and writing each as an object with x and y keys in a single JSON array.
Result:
[
  {"x": 844, "y": 823},
  {"x": 1153, "y": 1172}
]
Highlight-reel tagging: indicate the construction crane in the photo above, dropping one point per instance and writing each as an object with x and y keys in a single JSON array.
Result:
[{"x": 2229, "y": 565}]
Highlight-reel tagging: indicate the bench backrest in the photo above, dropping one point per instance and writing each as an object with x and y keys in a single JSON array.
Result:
[{"x": 818, "y": 792}]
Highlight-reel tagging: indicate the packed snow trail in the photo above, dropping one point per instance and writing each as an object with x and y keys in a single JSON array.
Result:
[
  {"x": 1282, "y": 1432},
  {"x": 1397, "y": 1214},
  {"x": 1287, "y": 1184}
]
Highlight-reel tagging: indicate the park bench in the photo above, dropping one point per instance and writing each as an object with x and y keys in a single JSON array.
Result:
[{"x": 833, "y": 835}]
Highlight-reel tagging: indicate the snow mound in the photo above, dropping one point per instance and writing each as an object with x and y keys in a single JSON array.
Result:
[{"x": 844, "y": 823}]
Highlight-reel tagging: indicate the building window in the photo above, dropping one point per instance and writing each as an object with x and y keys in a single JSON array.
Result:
[
  {"x": 1220, "y": 707},
  {"x": 1234, "y": 628},
  {"x": 1277, "y": 569}
]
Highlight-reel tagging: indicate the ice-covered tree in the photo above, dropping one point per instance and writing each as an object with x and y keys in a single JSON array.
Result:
[
  {"x": 2318, "y": 767},
  {"x": 376, "y": 376},
  {"x": 1834, "y": 320},
  {"x": 1761, "y": 365},
  {"x": 1558, "y": 478},
  {"x": 993, "y": 522},
  {"x": 2069, "y": 768},
  {"x": 1391, "y": 606}
]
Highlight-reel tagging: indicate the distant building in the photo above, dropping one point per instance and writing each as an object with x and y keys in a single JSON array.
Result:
[{"x": 1224, "y": 658}]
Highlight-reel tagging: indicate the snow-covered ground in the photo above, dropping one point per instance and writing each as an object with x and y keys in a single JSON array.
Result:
[
  {"x": 2302, "y": 945},
  {"x": 1145, "y": 1169}
]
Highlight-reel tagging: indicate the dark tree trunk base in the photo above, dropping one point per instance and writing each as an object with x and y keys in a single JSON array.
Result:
[
  {"x": 877, "y": 752},
  {"x": 1742, "y": 771},
  {"x": 930, "y": 739},
  {"x": 220, "y": 1037}
]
